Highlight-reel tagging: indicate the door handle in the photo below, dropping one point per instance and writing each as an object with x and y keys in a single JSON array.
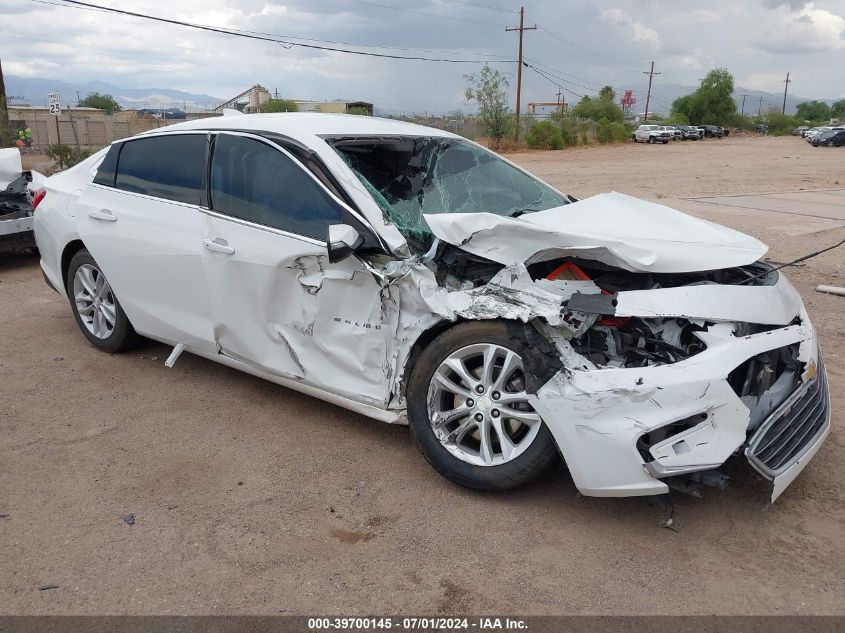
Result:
[
  {"x": 219, "y": 245},
  {"x": 102, "y": 214}
]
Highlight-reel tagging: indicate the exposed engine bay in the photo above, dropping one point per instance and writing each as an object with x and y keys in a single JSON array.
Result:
[{"x": 611, "y": 341}]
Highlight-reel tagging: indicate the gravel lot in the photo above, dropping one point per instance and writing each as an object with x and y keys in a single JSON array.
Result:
[{"x": 249, "y": 498}]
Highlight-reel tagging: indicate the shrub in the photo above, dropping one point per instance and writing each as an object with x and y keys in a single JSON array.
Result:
[
  {"x": 66, "y": 155},
  {"x": 544, "y": 135}
]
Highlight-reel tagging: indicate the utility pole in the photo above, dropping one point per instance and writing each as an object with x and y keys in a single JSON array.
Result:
[
  {"x": 651, "y": 75},
  {"x": 521, "y": 28},
  {"x": 742, "y": 111},
  {"x": 4, "y": 115},
  {"x": 785, "y": 88},
  {"x": 560, "y": 99},
  {"x": 760, "y": 107}
]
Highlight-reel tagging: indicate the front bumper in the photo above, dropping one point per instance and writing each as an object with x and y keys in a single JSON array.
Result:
[{"x": 596, "y": 417}]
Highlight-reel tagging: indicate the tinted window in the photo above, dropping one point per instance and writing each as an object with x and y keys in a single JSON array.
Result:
[
  {"x": 170, "y": 167},
  {"x": 255, "y": 182},
  {"x": 106, "y": 170}
]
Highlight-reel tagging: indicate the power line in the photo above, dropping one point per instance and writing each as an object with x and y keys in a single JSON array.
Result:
[
  {"x": 299, "y": 37},
  {"x": 551, "y": 80},
  {"x": 550, "y": 70},
  {"x": 554, "y": 73},
  {"x": 587, "y": 52},
  {"x": 483, "y": 6},
  {"x": 433, "y": 15},
  {"x": 268, "y": 38}
]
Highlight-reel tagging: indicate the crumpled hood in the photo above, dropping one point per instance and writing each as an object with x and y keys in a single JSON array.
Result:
[{"x": 611, "y": 228}]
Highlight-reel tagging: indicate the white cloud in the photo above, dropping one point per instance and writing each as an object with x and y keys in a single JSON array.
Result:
[
  {"x": 638, "y": 31},
  {"x": 804, "y": 29}
]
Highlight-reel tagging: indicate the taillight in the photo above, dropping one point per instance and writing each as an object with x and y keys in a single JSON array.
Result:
[{"x": 38, "y": 197}]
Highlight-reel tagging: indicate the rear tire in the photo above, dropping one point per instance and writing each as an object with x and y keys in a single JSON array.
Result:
[
  {"x": 96, "y": 309},
  {"x": 474, "y": 407}
]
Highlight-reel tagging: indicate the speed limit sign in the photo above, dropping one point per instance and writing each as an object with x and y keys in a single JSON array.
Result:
[{"x": 54, "y": 104}]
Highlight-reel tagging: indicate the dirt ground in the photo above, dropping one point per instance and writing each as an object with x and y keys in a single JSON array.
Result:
[{"x": 250, "y": 498}]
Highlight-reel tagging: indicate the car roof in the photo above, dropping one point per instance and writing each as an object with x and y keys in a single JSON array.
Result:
[{"x": 300, "y": 125}]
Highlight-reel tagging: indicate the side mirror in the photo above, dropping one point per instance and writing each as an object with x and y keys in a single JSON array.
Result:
[{"x": 342, "y": 241}]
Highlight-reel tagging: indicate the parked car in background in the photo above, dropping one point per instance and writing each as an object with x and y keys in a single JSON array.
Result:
[
  {"x": 674, "y": 130},
  {"x": 712, "y": 131},
  {"x": 690, "y": 133},
  {"x": 831, "y": 138},
  {"x": 651, "y": 134},
  {"x": 799, "y": 131},
  {"x": 810, "y": 134},
  {"x": 506, "y": 322}
]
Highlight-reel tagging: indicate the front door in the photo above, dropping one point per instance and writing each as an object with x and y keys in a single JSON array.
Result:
[{"x": 277, "y": 303}]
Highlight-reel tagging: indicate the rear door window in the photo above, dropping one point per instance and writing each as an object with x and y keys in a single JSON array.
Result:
[
  {"x": 170, "y": 167},
  {"x": 255, "y": 182}
]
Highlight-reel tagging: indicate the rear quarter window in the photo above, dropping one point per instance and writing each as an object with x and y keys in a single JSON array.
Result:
[{"x": 170, "y": 167}]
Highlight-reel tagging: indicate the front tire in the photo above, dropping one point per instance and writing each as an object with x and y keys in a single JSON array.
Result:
[
  {"x": 96, "y": 309},
  {"x": 469, "y": 413}
]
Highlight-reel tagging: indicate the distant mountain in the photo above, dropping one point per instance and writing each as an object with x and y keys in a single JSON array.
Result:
[
  {"x": 33, "y": 91},
  {"x": 664, "y": 94}
]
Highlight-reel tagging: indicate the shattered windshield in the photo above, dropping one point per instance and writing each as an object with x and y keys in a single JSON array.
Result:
[{"x": 412, "y": 176}]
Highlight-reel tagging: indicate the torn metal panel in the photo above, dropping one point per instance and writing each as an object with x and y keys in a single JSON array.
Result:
[
  {"x": 772, "y": 305},
  {"x": 611, "y": 228}
]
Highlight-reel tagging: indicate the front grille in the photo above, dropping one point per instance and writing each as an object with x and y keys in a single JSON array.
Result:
[{"x": 784, "y": 437}]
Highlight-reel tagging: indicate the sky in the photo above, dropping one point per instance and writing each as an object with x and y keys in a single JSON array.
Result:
[{"x": 578, "y": 45}]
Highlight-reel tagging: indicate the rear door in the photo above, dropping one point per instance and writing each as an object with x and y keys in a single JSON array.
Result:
[
  {"x": 277, "y": 302},
  {"x": 141, "y": 221}
]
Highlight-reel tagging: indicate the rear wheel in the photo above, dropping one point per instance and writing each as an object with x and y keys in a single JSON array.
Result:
[
  {"x": 95, "y": 307},
  {"x": 470, "y": 414}
]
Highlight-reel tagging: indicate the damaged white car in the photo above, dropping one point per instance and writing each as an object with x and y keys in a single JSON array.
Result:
[{"x": 413, "y": 276}]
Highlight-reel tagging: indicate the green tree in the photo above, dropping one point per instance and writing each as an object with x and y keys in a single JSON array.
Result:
[
  {"x": 678, "y": 118},
  {"x": 813, "y": 111},
  {"x": 597, "y": 108},
  {"x": 359, "y": 110},
  {"x": 712, "y": 102},
  {"x": 544, "y": 135},
  {"x": 101, "y": 102},
  {"x": 607, "y": 93},
  {"x": 488, "y": 88},
  {"x": 279, "y": 105},
  {"x": 837, "y": 110}
]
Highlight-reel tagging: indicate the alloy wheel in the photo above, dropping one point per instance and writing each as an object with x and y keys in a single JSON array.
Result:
[
  {"x": 94, "y": 301},
  {"x": 478, "y": 407}
]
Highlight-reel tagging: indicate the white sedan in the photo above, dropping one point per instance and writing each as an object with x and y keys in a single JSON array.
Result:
[{"x": 415, "y": 277}]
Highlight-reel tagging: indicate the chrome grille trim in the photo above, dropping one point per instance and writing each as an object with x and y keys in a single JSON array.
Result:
[{"x": 786, "y": 435}]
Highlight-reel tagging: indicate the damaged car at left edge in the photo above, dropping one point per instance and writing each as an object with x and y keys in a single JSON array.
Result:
[
  {"x": 415, "y": 277},
  {"x": 20, "y": 193}
]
